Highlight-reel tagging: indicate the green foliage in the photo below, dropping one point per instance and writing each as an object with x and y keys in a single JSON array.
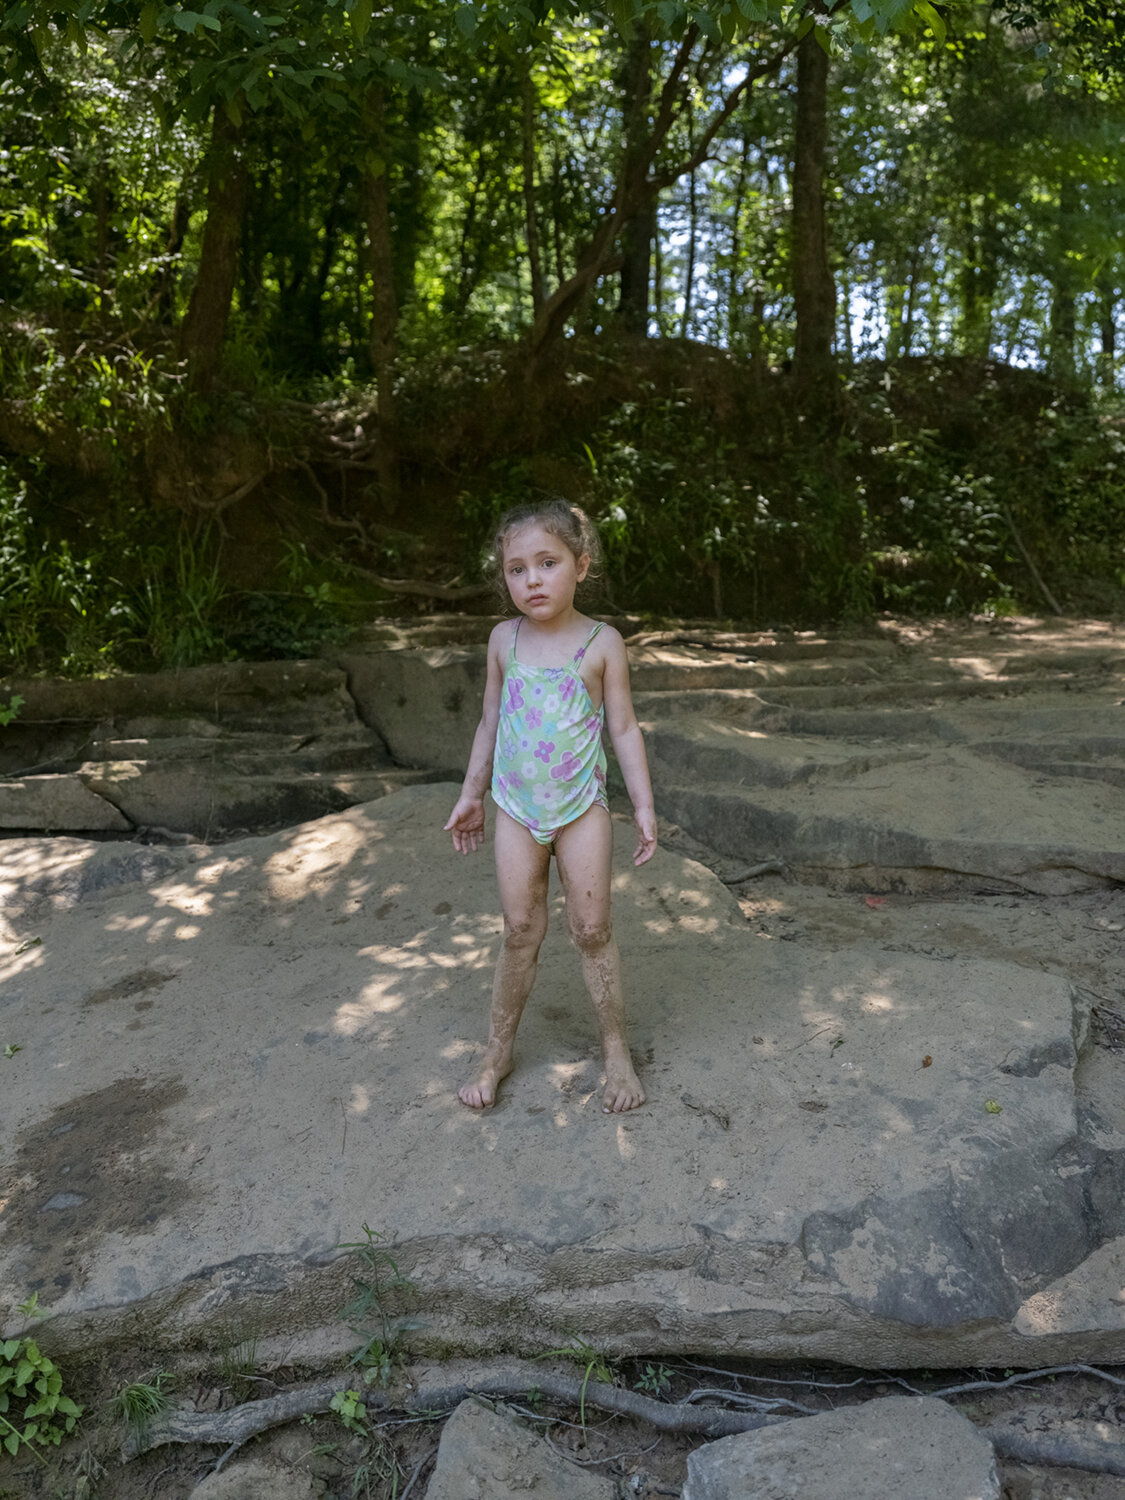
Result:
[
  {"x": 11, "y": 711},
  {"x": 654, "y": 1380},
  {"x": 33, "y": 1409},
  {"x": 350, "y": 1411},
  {"x": 381, "y": 1284},
  {"x": 139, "y": 1402}
]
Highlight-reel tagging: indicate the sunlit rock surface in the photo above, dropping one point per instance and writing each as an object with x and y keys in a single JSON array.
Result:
[{"x": 233, "y": 1058}]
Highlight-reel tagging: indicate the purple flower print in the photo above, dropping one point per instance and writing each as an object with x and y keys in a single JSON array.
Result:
[
  {"x": 599, "y": 775},
  {"x": 568, "y": 689},
  {"x": 580, "y": 653},
  {"x": 545, "y": 751},
  {"x": 536, "y": 691},
  {"x": 593, "y": 724},
  {"x": 515, "y": 782},
  {"x": 534, "y": 718},
  {"x": 515, "y": 694},
  {"x": 525, "y": 742},
  {"x": 567, "y": 768}
]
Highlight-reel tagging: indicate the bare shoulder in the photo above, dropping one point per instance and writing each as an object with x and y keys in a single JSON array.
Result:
[
  {"x": 500, "y": 638},
  {"x": 610, "y": 632},
  {"x": 610, "y": 646}
]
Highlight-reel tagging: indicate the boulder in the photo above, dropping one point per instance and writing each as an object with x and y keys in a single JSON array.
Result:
[
  {"x": 256, "y": 1480},
  {"x": 900, "y": 1446},
  {"x": 486, "y": 1454}
]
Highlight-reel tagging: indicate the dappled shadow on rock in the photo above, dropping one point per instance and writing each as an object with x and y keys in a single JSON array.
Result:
[{"x": 802, "y": 1182}]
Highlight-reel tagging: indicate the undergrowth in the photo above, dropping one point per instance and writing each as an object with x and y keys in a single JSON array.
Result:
[{"x": 932, "y": 486}]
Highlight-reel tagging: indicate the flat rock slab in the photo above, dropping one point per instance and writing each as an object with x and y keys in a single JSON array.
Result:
[
  {"x": 232, "y": 1063},
  {"x": 883, "y": 1450},
  {"x": 59, "y": 803},
  {"x": 489, "y": 1455},
  {"x": 257, "y": 1481}
]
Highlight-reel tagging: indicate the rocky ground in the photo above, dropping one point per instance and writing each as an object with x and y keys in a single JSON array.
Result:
[{"x": 878, "y": 988}]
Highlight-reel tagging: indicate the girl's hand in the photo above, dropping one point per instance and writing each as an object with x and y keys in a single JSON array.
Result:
[
  {"x": 466, "y": 823},
  {"x": 645, "y": 819}
]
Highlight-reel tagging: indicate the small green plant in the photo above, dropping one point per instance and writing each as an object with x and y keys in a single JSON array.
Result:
[
  {"x": 379, "y": 1475},
  {"x": 383, "y": 1278},
  {"x": 654, "y": 1380},
  {"x": 11, "y": 712},
  {"x": 597, "y": 1367},
  {"x": 141, "y": 1400},
  {"x": 238, "y": 1363},
  {"x": 350, "y": 1411},
  {"x": 33, "y": 1409},
  {"x": 29, "y": 1307},
  {"x": 11, "y": 1049}
]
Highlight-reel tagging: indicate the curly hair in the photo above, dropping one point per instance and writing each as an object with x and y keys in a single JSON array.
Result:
[{"x": 568, "y": 522}]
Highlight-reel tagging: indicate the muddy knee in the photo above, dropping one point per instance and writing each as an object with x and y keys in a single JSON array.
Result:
[
  {"x": 525, "y": 935},
  {"x": 591, "y": 938}
]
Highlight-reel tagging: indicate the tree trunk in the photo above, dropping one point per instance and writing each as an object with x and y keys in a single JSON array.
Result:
[
  {"x": 637, "y": 187},
  {"x": 529, "y": 110},
  {"x": 638, "y": 234},
  {"x": 978, "y": 280},
  {"x": 384, "y": 309},
  {"x": 814, "y": 293},
  {"x": 1063, "y": 330},
  {"x": 1107, "y": 328},
  {"x": 693, "y": 237},
  {"x": 734, "y": 279},
  {"x": 205, "y": 324}
]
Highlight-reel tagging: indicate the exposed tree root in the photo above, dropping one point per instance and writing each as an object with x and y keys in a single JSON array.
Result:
[
  {"x": 240, "y": 1423},
  {"x": 1077, "y": 1445}
]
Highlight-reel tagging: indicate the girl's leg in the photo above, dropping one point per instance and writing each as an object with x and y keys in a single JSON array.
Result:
[
  {"x": 584, "y": 851},
  {"x": 521, "y": 871}
]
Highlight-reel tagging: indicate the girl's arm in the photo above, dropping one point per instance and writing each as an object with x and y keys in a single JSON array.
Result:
[
  {"x": 466, "y": 821},
  {"x": 628, "y": 742}
]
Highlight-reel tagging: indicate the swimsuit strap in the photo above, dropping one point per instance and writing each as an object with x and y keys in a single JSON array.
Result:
[
  {"x": 512, "y": 647},
  {"x": 581, "y": 652}
]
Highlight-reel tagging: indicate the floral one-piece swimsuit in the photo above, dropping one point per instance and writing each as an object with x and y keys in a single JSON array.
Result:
[{"x": 550, "y": 765}]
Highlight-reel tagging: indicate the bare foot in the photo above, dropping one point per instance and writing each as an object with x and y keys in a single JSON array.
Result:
[
  {"x": 622, "y": 1087},
  {"x": 480, "y": 1091}
]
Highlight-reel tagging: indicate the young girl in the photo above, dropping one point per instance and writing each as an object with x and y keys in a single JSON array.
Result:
[{"x": 554, "y": 678}]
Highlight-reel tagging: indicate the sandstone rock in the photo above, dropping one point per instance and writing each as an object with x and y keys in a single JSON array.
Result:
[
  {"x": 887, "y": 1449},
  {"x": 425, "y": 704},
  {"x": 487, "y": 1454},
  {"x": 255, "y": 1480},
  {"x": 57, "y": 804},
  {"x": 800, "y": 1185}
]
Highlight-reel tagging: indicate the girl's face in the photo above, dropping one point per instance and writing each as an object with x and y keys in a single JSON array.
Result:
[{"x": 541, "y": 572}]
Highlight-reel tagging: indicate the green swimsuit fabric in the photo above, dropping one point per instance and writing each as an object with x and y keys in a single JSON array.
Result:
[{"x": 550, "y": 765}]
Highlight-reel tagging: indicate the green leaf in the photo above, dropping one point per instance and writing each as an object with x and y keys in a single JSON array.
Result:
[
  {"x": 12, "y": 1442},
  {"x": 932, "y": 19},
  {"x": 992, "y": 1107},
  {"x": 149, "y": 16},
  {"x": 467, "y": 21},
  {"x": 186, "y": 20},
  {"x": 360, "y": 18}
]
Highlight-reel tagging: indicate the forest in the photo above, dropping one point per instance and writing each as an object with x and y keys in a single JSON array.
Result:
[{"x": 814, "y": 306}]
